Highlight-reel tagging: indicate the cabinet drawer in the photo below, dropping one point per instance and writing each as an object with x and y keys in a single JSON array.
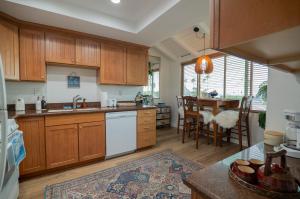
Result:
[
  {"x": 146, "y": 120},
  {"x": 146, "y": 139},
  {"x": 54, "y": 120},
  {"x": 146, "y": 127},
  {"x": 147, "y": 113}
]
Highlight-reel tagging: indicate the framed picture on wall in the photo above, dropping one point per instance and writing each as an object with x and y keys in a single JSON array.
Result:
[{"x": 73, "y": 81}]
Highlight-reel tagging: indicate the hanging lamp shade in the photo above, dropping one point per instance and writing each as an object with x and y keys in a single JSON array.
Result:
[{"x": 204, "y": 64}]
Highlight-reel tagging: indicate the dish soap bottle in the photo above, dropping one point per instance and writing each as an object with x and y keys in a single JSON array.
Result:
[
  {"x": 38, "y": 104},
  {"x": 44, "y": 103}
]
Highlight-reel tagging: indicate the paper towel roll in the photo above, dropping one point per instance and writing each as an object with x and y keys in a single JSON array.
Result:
[{"x": 103, "y": 99}]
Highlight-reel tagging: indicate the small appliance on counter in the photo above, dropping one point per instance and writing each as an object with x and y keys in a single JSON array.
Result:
[
  {"x": 292, "y": 135},
  {"x": 20, "y": 104},
  {"x": 112, "y": 102},
  {"x": 139, "y": 99}
]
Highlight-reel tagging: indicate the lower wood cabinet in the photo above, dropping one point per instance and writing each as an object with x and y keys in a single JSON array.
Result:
[
  {"x": 146, "y": 128},
  {"x": 91, "y": 140},
  {"x": 34, "y": 139},
  {"x": 61, "y": 145}
]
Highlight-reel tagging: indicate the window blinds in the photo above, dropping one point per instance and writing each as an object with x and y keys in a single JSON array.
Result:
[
  {"x": 215, "y": 80},
  {"x": 189, "y": 80},
  {"x": 235, "y": 77},
  {"x": 260, "y": 75}
]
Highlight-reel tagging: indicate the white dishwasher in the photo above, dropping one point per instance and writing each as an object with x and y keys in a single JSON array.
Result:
[{"x": 120, "y": 133}]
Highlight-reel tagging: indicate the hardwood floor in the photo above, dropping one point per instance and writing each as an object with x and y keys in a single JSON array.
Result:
[{"x": 167, "y": 139}]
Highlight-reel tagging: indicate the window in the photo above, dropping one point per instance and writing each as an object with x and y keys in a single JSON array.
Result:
[
  {"x": 235, "y": 77},
  {"x": 153, "y": 85},
  {"x": 260, "y": 75},
  {"x": 232, "y": 78},
  {"x": 215, "y": 80},
  {"x": 153, "y": 79},
  {"x": 190, "y": 80}
]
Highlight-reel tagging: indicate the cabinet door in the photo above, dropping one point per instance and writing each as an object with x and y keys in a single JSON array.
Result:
[
  {"x": 146, "y": 128},
  {"x": 61, "y": 145},
  {"x": 91, "y": 140},
  {"x": 34, "y": 139},
  {"x": 113, "y": 64},
  {"x": 60, "y": 48},
  {"x": 32, "y": 55},
  {"x": 87, "y": 52},
  {"x": 137, "y": 70},
  {"x": 9, "y": 50}
]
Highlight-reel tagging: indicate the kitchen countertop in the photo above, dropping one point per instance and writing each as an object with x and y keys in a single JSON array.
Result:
[
  {"x": 33, "y": 113},
  {"x": 214, "y": 181}
]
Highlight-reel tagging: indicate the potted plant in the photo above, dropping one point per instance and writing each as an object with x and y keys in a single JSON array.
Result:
[{"x": 262, "y": 93}]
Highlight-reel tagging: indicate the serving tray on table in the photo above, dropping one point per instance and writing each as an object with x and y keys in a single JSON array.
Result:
[{"x": 262, "y": 190}]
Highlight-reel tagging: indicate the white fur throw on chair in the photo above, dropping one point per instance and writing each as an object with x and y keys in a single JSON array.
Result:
[
  {"x": 207, "y": 116},
  {"x": 181, "y": 111},
  {"x": 227, "y": 119}
]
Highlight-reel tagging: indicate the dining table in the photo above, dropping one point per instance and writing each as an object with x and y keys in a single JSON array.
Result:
[{"x": 216, "y": 105}]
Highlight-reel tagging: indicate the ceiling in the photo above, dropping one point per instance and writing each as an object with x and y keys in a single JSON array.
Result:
[{"x": 147, "y": 22}]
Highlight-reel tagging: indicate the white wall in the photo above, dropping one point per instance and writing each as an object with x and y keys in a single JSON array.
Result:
[
  {"x": 283, "y": 93},
  {"x": 56, "y": 88},
  {"x": 169, "y": 82}
]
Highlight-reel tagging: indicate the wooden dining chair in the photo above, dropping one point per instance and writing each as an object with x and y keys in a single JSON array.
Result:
[
  {"x": 238, "y": 120},
  {"x": 180, "y": 117},
  {"x": 191, "y": 115}
]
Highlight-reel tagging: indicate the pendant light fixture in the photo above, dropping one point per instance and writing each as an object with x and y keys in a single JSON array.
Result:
[{"x": 204, "y": 64}]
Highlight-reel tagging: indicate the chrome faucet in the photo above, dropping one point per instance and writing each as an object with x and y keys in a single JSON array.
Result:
[{"x": 75, "y": 100}]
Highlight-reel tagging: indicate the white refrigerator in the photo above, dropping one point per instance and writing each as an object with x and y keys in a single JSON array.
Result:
[{"x": 12, "y": 150}]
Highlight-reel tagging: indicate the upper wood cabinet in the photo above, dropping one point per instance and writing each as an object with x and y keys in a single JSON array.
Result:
[
  {"x": 91, "y": 140},
  {"x": 34, "y": 140},
  {"x": 61, "y": 145},
  {"x": 113, "y": 64},
  {"x": 87, "y": 52},
  {"x": 32, "y": 55},
  {"x": 9, "y": 49},
  {"x": 265, "y": 31},
  {"x": 60, "y": 48},
  {"x": 137, "y": 69}
]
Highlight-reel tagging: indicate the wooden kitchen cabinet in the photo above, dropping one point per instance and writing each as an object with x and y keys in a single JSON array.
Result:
[
  {"x": 137, "y": 67},
  {"x": 61, "y": 145},
  {"x": 91, "y": 140},
  {"x": 87, "y": 52},
  {"x": 113, "y": 64},
  {"x": 32, "y": 55},
  {"x": 34, "y": 140},
  {"x": 264, "y": 31},
  {"x": 9, "y": 49},
  {"x": 146, "y": 128},
  {"x": 60, "y": 48}
]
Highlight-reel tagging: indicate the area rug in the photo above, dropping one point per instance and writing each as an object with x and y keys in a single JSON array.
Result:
[{"x": 156, "y": 176}]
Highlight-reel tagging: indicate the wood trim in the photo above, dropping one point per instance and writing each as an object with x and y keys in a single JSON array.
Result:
[{"x": 215, "y": 23}]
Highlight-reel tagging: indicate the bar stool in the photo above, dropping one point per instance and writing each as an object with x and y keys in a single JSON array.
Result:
[{"x": 230, "y": 119}]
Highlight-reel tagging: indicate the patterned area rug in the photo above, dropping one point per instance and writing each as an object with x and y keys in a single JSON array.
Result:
[{"x": 156, "y": 176}]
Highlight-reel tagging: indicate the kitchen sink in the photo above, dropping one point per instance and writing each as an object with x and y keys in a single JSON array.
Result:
[
  {"x": 59, "y": 110},
  {"x": 86, "y": 109},
  {"x": 70, "y": 110}
]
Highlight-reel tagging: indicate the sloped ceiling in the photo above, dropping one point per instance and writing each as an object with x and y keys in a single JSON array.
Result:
[{"x": 146, "y": 22}]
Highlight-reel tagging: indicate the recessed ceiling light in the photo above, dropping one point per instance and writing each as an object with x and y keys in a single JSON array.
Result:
[{"x": 115, "y": 1}]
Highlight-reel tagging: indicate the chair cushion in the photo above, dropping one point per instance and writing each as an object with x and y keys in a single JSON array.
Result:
[
  {"x": 227, "y": 119},
  {"x": 207, "y": 116},
  {"x": 181, "y": 112}
]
